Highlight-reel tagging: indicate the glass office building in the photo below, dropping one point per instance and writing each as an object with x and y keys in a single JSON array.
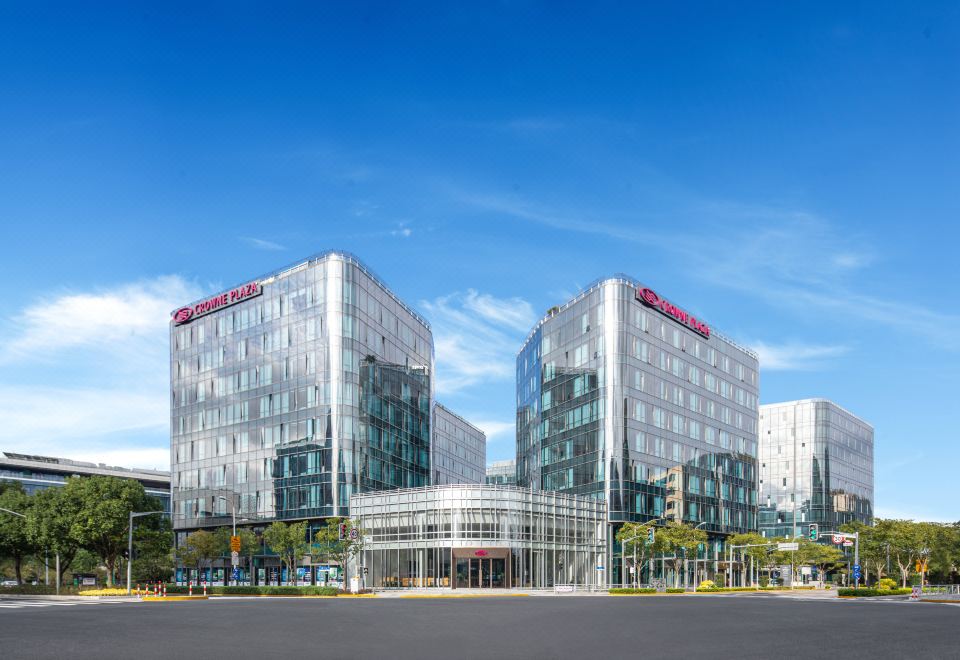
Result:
[
  {"x": 624, "y": 397},
  {"x": 502, "y": 473},
  {"x": 294, "y": 391},
  {"x": 480, "y": 537},
  {"x": 40, "y": 472},
  {"x": 816, "y": 466}
]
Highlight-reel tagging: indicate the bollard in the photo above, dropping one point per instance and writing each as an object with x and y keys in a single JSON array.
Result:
[
  {"x": 204, "y": 588},
  {"x": 164, "y": 589},
  {"x": 190, "y": 588}
]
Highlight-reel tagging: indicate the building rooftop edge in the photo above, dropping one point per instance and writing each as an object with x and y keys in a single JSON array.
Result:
[
  {"x": 316, "y": 258},
  {"x": 52, "y": 463},
  {"x": 621, "y": 278},
  {"x": 464, "y": 420},
  {"x": 816, "y": 400}
]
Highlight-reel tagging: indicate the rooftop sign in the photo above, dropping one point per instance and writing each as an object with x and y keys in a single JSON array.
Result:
[
  {"x": 650, "y": 297},
  {"x": 241, "y": 293}
]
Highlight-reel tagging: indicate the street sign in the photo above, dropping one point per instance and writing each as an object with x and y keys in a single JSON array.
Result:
[
  {"x": 857, "y": 574},
  {"x": 354, "y": 534},
  {"x": 234, "y": 544},
  {"x": 235, "y": 576},
  {"x": 915, "y": 592},
  {"x": 847, "y": 543},
  {"x": 788, "y": 546},
  {"x": 838, "y": 539},
  {"x": 234, "y": 558}
]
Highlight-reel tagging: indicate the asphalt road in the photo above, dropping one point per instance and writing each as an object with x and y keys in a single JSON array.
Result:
[{"x": 515, "y": 627}]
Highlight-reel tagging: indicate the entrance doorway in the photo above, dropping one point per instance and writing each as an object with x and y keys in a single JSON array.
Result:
[{"x": 483, "y": 571}]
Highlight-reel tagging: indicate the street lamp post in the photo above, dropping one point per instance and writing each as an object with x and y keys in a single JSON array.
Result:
[
  {"x": 130, "y": 542},
  {"x": 20, "y": 515},
  {"x": 696, "y": 561},
  {"x": 233, "y": 511}
]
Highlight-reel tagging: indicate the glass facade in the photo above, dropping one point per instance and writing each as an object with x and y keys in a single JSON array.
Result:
[
  {"x": 620, "y": 402},
  {"x": 40, "y": 472},
  {"x": 317, "y": 386},
  {"x": 502, "y": 473},
  {"x": 816, "y": 466},
  {"x": 459, "y": 449},
  {"x": 475, "y": 536}
]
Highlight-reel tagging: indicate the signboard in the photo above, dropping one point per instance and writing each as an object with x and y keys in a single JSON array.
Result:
[
  {"x": 659, "y": 584},
  {"x": 235, "y": 576},
  {"x": 219, "y": 301},
  {"x": 650, "y": 297},
  {"x": 234, "y": 558},
  {"x": 857, "y": 574},
  {"x": 847, "y": 543},
  {"x": 354, "y": 534},
  {"x": 788, "y": 546},
  {"x": 838, "y": 539},
  {"x": 89, "y": 582},
  {"x": 234, "y": 544}
]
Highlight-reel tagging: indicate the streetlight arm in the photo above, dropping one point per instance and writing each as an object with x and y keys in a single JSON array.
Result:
[{"x": 12, "y": 513}]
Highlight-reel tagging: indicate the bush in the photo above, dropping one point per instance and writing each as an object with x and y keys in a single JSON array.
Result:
[
  {"x": 37, "y": 590},
  {"x": 706, "y": 585},
  {"x": 887, "y": 583},
  {"x": 272, "y": 590},
  {"x": 676, "y": 591},
  {"x": 626, "y": 591},
  {"x": 867, "y": 593}
]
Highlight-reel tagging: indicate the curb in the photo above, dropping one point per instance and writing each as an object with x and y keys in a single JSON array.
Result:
[
  {"x": 463, "y": 596},
  {"x": 164, "y": 599}
]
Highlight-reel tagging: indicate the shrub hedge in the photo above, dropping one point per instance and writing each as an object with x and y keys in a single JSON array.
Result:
[
  {"x": 256, "y": 591},
  {"x": 676, "y": 591},
  {"x": 867, "y": 593},
  {"x": 645, "y": 590},
  {"x": 38, "y": 590}
]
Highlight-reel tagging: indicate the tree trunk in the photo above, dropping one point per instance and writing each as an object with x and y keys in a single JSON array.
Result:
[{"x": 18, "y": 568}]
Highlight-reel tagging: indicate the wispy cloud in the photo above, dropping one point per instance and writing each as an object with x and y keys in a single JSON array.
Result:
[
  {"x": 497, "y": 431},
  {"x": 788, "y": 257},
  {"x": 90, "y": 366},
  {"x": 402, "y": 231},
  {"x": 476, "y": 336},
  {"x": 262, "y": 244},
  {"x": 795, "y": 356}
]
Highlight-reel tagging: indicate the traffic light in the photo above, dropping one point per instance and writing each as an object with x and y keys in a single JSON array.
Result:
[
  {"x": 651, "y": 533},
  {"x": 343, "y": 531},
  {"x": 814, "y": 532}
]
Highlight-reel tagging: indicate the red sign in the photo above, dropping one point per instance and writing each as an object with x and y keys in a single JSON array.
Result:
[
  {"x": 650, "y": 297},
  {"x": 241, "y": 293},
  {"x": 481, "y": 553}
]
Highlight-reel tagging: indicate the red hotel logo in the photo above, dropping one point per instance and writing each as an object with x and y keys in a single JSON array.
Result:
[
  {"x": 650, "y": 297},
  {"x": 241, "y": 293}
]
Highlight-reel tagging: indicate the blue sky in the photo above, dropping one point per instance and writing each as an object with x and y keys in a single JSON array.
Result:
[{"x": 787, "y": 172}]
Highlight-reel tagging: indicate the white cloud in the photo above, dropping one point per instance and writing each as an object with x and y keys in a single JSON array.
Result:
[
  {"x": 262, "y": 244},
  {"x": 476, "y": 337},
  {"x": 402, "y": 231},
  {"x": 90, "y": 369},
  {"x": 497, "y": 430},
  {"x": 795, "y": 356}
]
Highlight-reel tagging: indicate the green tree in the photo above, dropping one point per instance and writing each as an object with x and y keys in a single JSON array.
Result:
[
  {"x": 152, "y": 549},
  {"x": 681, "y": 542},
  {"x": 822, "y": 556},
  {"x": 15, "y": 541},
  {"x": 249, "y": 544},
  {"x": 49, "y": 524},
  {"x": 756, "y": 550},
  {"x": 102, "y": 515},
  {"x": 290, "y": 542},
  {"x": 199, "y": 550},
  {"x": 633, "y": 539},
  {"x": 337, "y": 548}
]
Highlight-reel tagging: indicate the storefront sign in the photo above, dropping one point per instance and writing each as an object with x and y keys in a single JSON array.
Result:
[
  {"x": 650, "y": 297},
  {"x": 241, "y": 293}
]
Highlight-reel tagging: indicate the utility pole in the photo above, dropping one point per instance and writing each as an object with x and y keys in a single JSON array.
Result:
[{"x": 130, "y": 543}]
